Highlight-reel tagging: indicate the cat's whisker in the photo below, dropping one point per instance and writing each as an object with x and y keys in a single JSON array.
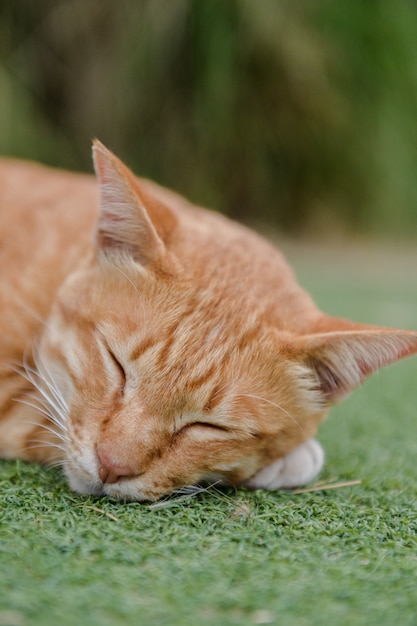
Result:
[
  {"x": 217, "y": 494},
  {"x": 52, "y": 386},
  {"x": 56, "y": 417},
  {"x": 48, "y": 402},
  {"x": 37, "y": 370},
  {"x": 55, "y": 464},
  {"x": 44, "y": 374},
  {"x": 33, "y": 377},
  {"x": 185, "y": 493},
  {"x": 52, "y": 462},
  {"x": 55, "y": 398},
  {"x": 49, "y": 429},
  {"x": 44, "y": 411},
  {"x": 278, "y": 406},
  {"x": 38, "y": 443},
  {"x": 194, "y": 490},
  {"x": 60, "y": 429},
  {"x": 45, "y": 407},
  {"x": 189, "y": 490}
]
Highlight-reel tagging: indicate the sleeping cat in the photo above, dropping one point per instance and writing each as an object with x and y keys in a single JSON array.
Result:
[{"x": 147, "y": 344}]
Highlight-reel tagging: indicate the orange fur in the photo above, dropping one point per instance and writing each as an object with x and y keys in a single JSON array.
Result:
[{"x": 151, "y": 344}]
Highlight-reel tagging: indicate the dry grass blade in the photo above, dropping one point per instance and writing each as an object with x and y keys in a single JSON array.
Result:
[
  {"x": 97, "y": 510},
  {"x": 347, "y": 483}
]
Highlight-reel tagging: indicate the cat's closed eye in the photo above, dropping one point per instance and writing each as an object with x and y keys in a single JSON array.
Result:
[{"x": 208, "y": 427}]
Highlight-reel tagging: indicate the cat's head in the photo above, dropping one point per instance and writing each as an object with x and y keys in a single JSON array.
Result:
[{"x": 159, "y": 380}]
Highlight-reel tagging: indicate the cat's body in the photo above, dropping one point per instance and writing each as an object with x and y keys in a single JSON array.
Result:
[{"x": 169, "y": 344}]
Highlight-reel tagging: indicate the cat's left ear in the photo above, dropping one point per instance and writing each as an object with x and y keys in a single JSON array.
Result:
[
  {"x": 124, "y": 224},
  {"x": 340, "y": 361}
]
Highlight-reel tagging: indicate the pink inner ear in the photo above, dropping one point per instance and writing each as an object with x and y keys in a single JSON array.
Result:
[
  {"x": 107, "y": 167},
  {"x": 113, "y": 217},
  {"x": 101, "y": 165},
  {"x": 123, "y": 222},
  {"x": 365, "y": 368},
  {"x": 342, "y": 360},
  {"x": 408, "y": 351},
  {"x": 101, "y": 168}
]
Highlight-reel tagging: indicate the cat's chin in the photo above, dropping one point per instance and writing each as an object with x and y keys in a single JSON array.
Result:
[
  {"x": 83, "y": 488},
  {"x": 117, "y": 491}
]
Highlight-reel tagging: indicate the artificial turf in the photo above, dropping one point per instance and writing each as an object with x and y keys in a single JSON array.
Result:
[{"x": 342, "y": 556}]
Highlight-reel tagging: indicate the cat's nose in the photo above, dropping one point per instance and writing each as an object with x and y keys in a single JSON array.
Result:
[{"x": 109, "y": 470}]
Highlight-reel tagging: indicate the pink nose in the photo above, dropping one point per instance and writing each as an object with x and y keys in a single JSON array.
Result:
[{"x": 109, "y": 470}]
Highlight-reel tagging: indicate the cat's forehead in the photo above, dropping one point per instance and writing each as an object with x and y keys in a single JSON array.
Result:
[
  {"x": 128, "y": 297},
  {"x": 173, "y": 328}
]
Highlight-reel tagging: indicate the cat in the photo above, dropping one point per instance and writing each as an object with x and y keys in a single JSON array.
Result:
[{"x": 148, "y": 344}]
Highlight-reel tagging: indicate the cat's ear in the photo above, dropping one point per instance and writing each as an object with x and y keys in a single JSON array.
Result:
[
  {"x": 342, "y": 360},
  {"x": 123, "y": 224}
]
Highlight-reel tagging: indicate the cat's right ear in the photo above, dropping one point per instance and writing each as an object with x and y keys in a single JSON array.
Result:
[
  {"x": 124, "y": 226},
  {"x": 340, "y": 361}
]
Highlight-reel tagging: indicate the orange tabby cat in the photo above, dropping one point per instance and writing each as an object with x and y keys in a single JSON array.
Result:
[{"x": 149, "y": 344}]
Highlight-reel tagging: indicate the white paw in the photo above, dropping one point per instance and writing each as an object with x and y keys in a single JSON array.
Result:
[{"x": 296, "y": 468}]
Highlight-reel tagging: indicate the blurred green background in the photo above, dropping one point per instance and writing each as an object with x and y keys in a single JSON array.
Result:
[{"x": 297, "y": 115}]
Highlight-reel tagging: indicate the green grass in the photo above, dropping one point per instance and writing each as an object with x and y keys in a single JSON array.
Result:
[{"x": 347, "y": 556}]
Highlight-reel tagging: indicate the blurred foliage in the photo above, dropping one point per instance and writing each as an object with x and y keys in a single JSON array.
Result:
[{"x": 298, "y": 114}]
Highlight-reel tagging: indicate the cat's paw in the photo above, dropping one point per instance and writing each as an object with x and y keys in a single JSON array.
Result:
[{"x": 296, "y": 468}]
